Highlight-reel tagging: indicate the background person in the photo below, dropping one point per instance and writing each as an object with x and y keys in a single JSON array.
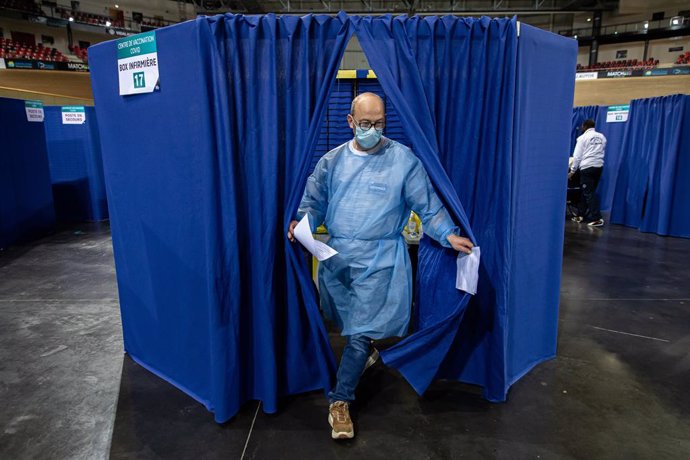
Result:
[{"x": 588, "y": 157}]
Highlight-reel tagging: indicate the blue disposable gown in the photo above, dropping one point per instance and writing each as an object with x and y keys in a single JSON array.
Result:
[{"x": 365, "y": 201}]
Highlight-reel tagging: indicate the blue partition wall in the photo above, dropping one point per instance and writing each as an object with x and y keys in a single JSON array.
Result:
[
  {"x": 545, "y": 88},
  {"x": 26, "y": 200},
  {"x": 76, "y": 167},
  {"x": 652, "y": 190},
  {"x": 646, "y": 159}
]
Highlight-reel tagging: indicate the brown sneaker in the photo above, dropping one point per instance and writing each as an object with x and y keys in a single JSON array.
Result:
[{"x": 339, "y": 418}]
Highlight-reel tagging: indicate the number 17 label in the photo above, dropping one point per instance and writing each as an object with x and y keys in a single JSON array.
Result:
[{"x": 139, "y": 80}]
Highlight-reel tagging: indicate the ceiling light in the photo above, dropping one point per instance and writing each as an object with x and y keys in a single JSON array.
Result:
[
  {"x": 117, "y": 6},
  {"x": 575, "y": 37},
  {"x": 646, "y": 25},
  {"x": 108, "y": 23},
  {"x": 71, "y": 19},
  {"x": 589, "y": 19}
]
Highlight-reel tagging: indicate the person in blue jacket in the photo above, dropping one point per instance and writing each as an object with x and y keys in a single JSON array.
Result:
[{"x": 363, "y": 191}]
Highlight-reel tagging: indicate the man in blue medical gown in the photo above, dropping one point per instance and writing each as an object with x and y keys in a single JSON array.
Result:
[{"x": 363, "y": 191}]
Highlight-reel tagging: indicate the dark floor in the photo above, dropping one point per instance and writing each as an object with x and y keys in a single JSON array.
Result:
[{"x": 618, "y": 389}]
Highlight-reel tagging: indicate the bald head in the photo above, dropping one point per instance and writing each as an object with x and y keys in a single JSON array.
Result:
[
  {"x": 367, "y": 110},
  {"x": 366, "y": 113},
  {"x": 368, "y": 103}
]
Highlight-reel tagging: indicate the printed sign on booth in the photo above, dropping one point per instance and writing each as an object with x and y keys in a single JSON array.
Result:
[
  {"x": 34, "y": 111},
  {"x": 73, "y": 115},
  {"x": 137, "y": 64},
  {"x": 617, "y": 114}
]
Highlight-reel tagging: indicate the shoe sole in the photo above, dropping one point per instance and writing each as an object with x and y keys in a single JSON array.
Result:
[
  {"x": 595, "y": 225},
  {"x": 340, "y": 434}
]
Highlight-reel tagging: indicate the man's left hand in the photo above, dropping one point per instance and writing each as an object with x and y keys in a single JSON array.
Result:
[{"x": 460, "y": 244}]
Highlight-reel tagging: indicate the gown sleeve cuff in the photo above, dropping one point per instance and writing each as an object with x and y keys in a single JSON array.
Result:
[{"x": 444, "y": 236}]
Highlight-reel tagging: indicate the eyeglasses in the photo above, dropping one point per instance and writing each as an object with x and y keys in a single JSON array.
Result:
[{"x": 366, "y": 124}]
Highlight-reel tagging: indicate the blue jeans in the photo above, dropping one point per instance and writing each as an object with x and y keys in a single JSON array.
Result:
[{"x": 352, "y": 364}]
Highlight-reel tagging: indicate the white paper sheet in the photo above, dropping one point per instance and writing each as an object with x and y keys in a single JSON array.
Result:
[
  {"x": 468, "y": 271},
  {"x": 318, "y": 249}
]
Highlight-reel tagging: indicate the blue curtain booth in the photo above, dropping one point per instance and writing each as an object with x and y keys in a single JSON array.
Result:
[
  {"x": 201, "y": 192},
  {"x": 502, "y": 145},
  {"x": 76, "y": 167},
  {"x": 652, "y": 191},
  {"x": 614, "y": 139},
  {"x": 26, "y": 200},
  {"x": 202, "y": 179}
]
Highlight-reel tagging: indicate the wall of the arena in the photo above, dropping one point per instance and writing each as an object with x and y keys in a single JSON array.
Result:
[
  {"x": 632, "y": 10},
  {"x": 354, "y": 57},
  {"x": 658, "y": 49},
  {"x": 613, "y": 91},
  {"x": 640, "y": 12},
  {"x": 162, "y": 8},
  {"x": 633, "y": 50},
  {"x": 59, "y": 34}
]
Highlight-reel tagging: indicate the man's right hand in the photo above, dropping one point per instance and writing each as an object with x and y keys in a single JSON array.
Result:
[{"x": 291, "y": 231}]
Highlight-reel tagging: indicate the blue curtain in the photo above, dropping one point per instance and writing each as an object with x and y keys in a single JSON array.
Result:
[
  {"x": 26, "y": 200},
  {"x": 457, "y": 87},
  {"x": 436, "y": 71},
  {"x": 202, "y": 184},
  {"x": 614, "y": 133},
  {"x": 453, "y": 81},
  {"x": 651, "y": 190},
  {"x": 580, "y": 114},
  {"x": 76, "y": 167}
]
